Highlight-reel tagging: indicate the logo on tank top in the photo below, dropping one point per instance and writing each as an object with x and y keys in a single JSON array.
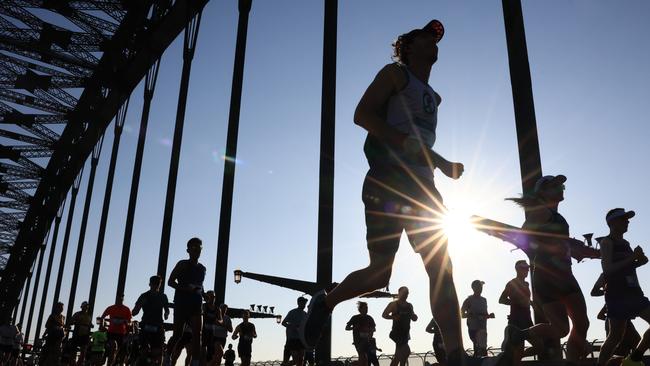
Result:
[{"x": 427, "y": 103}]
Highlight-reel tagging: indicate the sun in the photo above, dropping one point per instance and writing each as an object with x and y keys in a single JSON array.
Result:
[{"x": 457, "y": 225}]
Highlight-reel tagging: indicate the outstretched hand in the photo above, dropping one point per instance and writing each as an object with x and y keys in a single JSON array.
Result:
[{"x": 452, "y": 170}]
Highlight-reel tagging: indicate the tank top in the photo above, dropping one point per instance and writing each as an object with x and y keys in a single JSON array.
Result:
[
  {"x": 518, "y": 310},
  {"x": 190, "y": 275},
  {"x": 210, "y": 316},
  {"x": 402, "y": 323},
  {"x": 553, "y": 264},
  {"x": 413, "y": 111},
  {"x": 625, "y": 281}
]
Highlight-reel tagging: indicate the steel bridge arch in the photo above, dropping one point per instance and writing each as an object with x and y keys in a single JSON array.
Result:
[{"x": 38, "y": 62}]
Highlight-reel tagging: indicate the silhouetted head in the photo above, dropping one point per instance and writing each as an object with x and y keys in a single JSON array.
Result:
[
  {"x": 230, "y": 346},
  {"x": 419, "y": 44},
  {"x": 155, "y": 282},
  {"x": 403, "y": 293},
  {"x": 477, "y": 287},
  {"x": 246, "y": 315},
  {"x": 301, "y": 302},
  {"x": 522, "y": 268},
  {"x": 362, "y": 306},
  {"x": 85, "y": 306},
  {"x": 618, "y": 220},
  {"x": 58, "y": 308},
  {"x": 209, "y": 297},
  {"x": 224, "y": 309},
  {"x": 194, "y": 247},
  {"x": 550, "y": 188}
]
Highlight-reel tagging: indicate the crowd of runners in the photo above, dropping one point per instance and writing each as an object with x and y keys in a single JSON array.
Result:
[{"x": 399, "y": 112}]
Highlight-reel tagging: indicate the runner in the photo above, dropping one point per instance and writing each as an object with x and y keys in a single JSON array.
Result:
[
  {"x": 362, "y": 326},
  {"x": 187, "y": 279},
  {"x": 83, "y": 322},
  {"x": 154, "y": 305},
  {"x": 292, "y": 322},
  {"x": 623, "y": 295},
  {"x": 98, "y": 342},
  {"x": 517, "y": 295},
  {"x": 229, "y": 356},
  {"x": 119, "y": 317},
  {"x": 631, "y": 336},
  {"x": 211, "y": 319},
  {"x": 8, "y": 337},
  {"x": 54, "y": 335},
  {"x": 475, "y": 310},
  {"x": 438, "y": 344},
  {"x": 401, "y": 312},
  {"x": 221, "y": 334},
  {"x": 19, "y": 339},
  {"x": 245, "y": 331},
  {"x": 557, "y": 291},
  {"x": 399, "y": 111}
]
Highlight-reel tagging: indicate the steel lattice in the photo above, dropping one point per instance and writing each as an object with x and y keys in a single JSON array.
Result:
[{"x": 61, "y": 83}]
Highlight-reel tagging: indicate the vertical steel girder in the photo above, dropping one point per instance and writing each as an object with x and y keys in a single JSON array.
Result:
[
  {"x": 94, "y": 161},
  {"x": 32, "y": 305},
  {"x": 223, "y": 242},
  {"x": 149, "y": 87},
  {"x": 120, "y": 118},
  {"x": 48, "y": 271},
  {"x": 66, "y": 237},
  {"x": 189, "y": 45}
]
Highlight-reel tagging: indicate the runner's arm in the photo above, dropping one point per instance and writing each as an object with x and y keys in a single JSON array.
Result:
[
  {"x": 464, "y": 311},
  {"x": 431, "y": 326},
  {"x": 349, "y": 325},
  {"x": 235, "y": 334},
  {"x": 599, "y": 286},
  {"x": 166, "y": 306},
  {"x": 368, "y": 113},
  {"x": 388, "y": 311},
  {"x": 505, "y": 296},
  {"x": 254, "y": 332},
  {"x": 137, "y": 307},
  {"x": 173, "y": 277},
  {"x": 414, "y": 316}
]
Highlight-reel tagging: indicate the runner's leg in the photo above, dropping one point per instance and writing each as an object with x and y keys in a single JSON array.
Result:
[{"x": 616, "y": 332}]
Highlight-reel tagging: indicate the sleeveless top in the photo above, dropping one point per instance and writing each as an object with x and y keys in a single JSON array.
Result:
[
  {"x": 625, "y": 281},
  {"x": 552, "y": 264},
  {"x": 402, "y": 323},
  {"x": 210, "y": 316},
  {"x": 518, "y": 310},
  {"x": 413, "y": 111},
  {"x": 190, "y": 275}
]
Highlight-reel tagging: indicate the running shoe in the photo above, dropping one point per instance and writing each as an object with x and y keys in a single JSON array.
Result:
[{"x": 317, "y": 316}]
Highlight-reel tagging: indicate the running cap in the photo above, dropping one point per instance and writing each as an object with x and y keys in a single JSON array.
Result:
[
  {"x": 477, "y": 283},
  {"x": 522, "y": 264},
  {"x": 434, "y": 27},
  {"x": 85, "y": 303},
  {"x": 548, "y": 180},
  {"x": 618, "y": 212}
]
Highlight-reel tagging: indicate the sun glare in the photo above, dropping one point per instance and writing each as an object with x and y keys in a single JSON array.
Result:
[{"x": 458, "y": 226}]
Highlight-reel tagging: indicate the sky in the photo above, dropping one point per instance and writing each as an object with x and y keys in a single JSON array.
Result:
[{"x": 588, "y": 61}]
